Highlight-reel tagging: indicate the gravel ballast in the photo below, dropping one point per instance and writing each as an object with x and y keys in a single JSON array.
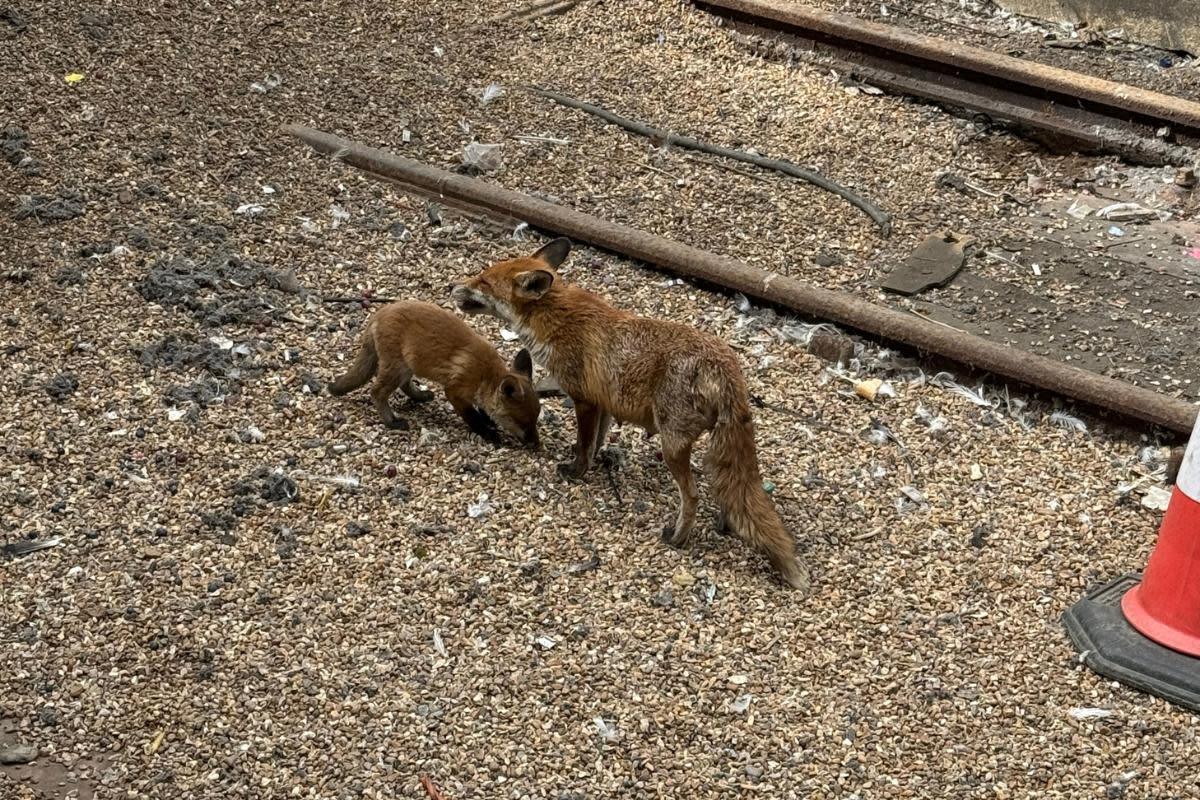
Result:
[{"x": 261, "y": 592}]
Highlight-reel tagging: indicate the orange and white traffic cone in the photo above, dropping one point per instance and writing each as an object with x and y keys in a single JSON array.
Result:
[{"x": 1144, "y": 631}]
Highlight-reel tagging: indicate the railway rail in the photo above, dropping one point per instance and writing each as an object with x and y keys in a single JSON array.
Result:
[{"x": 1060, "y": 108}]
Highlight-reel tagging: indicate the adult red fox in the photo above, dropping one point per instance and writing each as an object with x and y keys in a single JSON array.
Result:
[
  {"x": 408, "y": 339},
  {"x": 663, "y": 376}
]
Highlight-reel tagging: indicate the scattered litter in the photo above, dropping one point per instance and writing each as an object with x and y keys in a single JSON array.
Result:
[
  {"x": 253, "y": 434},
  {"x": 873, "y": 388},
  {"x": 768, "y": 487},
  {"x": 914, "y": 494},
  {"x": 490, "y": 93},
  {"x": 438, "y": 50},
  {"x": 270, "y": 83},
  {"x": 482, "y": 157},
  {"x": 27, "y": 546},
  {"x": 1064, "y": 420},
  {"x": 1156, "y": 498},
  {"x": 339, "y": 215},
  {"x": 1126, "y": 211},
  {"x": 1090, "y": 713},
  {"x": 520, "y": 232},
  {"x": 607, "y": 730},
  {"x": 438, "y": 644},
  {"x": 73, "y": 77},
  {"x": 546, "y": 642},
  {"x": 249, "y": 209},
  {"x": 508, "y": 335},
  {"x": 480, "y": 507},
  {"x": 740, "y": 705},
  {"x": 175, "y": 414},
  {"x": 1116, "y": 231},
  {"x": 683, "y": 579},
  {"x": 155, "y": 743},
  {"x": 341, "y": 481},
  {"x": 1079, "y": 210}
]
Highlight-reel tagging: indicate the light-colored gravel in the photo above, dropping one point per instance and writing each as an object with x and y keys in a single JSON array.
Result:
[{"x": 336, "y": 641}]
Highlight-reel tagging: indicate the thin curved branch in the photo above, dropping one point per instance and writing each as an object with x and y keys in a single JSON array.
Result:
[{"x": 878, "y": 215}]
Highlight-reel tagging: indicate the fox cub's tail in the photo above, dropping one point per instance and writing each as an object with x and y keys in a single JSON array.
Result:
[{"x": 363, "y": 368}]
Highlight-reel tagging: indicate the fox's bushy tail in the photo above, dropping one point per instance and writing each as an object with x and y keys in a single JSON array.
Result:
[
  {"x": 363, "y": 368},
  {"x": 737, "y": 485}
]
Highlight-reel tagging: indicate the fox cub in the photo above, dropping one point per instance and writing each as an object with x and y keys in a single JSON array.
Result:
[
  {"x": 408, "y": 339},
  {"x": 663, "y": 376}
]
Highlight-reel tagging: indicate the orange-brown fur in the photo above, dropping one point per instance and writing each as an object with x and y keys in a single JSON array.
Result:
[
  {"x": 666, "y": 377},
  {"x": 408, "y": 339}
]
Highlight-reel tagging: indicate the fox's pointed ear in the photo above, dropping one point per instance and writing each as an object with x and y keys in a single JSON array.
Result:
[
  {"x": 523, "y": 364},
  {"x": 555, "y": 252},
  {"x": 509, "y": 386},
  {"x": 533, "y": 284}
]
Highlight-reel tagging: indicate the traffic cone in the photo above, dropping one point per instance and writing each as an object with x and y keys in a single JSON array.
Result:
[{"x": 1144, "y": 630}]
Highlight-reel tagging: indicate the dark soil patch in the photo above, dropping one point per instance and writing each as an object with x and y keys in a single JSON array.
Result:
[
  {"x": 224, "y": 290},
  {"x": 67, "y": 204},
  {"x": 62, "y": 386}
]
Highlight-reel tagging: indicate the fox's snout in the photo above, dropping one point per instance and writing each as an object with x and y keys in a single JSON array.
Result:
[{"x": 468, "y": 300}]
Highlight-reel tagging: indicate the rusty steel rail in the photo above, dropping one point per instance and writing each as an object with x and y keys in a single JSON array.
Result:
[
  {"x": 1064, "y": 109},
  {"x": 690, "y": 262}
]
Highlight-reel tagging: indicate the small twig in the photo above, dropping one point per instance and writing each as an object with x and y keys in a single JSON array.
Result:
[
  {"x": 728, "y": 167},
  {"x": 816, "y": 422},
  {"x": 611, "y": 472},
  {"x": 658, "y": 135},
  {"x": 928, "y": 318},
  {"x": 1120, "y": 242},
  {"x": 540, "y": 8},
  {"x": 635, "y": 163},
  {"x": 532, "y": 139},
  {"x": 431, "y": 788},
  {"x": 957, "y": 182},
  {"x": 996, "y": 256},
  {"x": 364, "y": 300}
]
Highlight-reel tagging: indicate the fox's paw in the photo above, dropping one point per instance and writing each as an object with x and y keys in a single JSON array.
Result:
[
  {"x": 799, "y": 577},
  {"x": 398, "y": 424},
  {"x": 420, "y": 395},
  {"x": 672, "y": 538},
  {"x": 570, "y": 470}
]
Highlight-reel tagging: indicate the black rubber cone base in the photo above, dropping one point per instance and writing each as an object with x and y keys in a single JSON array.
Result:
[{"x": 1114, "y": 649}]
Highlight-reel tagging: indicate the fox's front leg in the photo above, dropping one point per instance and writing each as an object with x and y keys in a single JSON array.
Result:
[
  {"x": 478, "y": 421},
  {"x": 587, "y": 422}
]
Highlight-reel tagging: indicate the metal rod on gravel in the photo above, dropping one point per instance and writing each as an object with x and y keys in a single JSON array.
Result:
[{"x": 839, "y": 307}]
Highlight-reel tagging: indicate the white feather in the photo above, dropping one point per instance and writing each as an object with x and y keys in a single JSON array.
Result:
[
  {"x": 1064, "y": 420},
  {"x": 975, "y": 396}
]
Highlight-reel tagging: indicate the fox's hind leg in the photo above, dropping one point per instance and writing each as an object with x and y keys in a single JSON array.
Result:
[
  {"x": 392, "y": 374},
  {"x": 677, "y": 453},
  {"x": 415, "y": 393}
]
